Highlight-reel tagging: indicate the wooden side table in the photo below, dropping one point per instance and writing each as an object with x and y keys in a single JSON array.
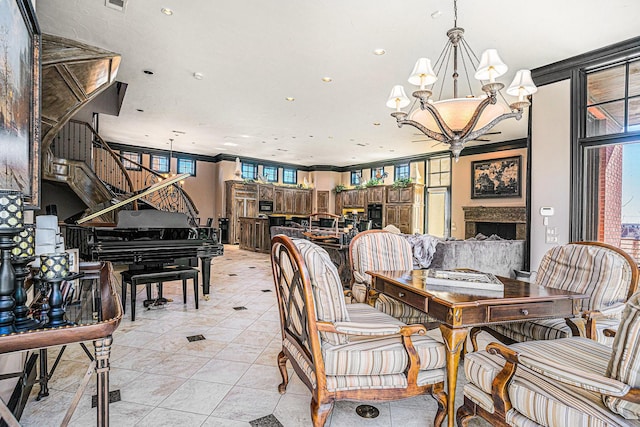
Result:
[{"x": 88, "y": 325}]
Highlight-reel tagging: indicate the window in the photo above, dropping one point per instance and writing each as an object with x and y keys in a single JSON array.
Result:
[
  {"x": 377, "y": 173},
  {"x": 356, "y": 177},
  {"x": 249, "y": 170},
  {"x": 613, "y": 100},
  {"x": 289, "y": 176},
  {"x": 131, "y": 160},
  {"x": 270, "y": 173},
  {"x": 159, "y": 163},
  {"x": 186, "y": 166},
  {"x": 439, "y": 172},
  {"x": 402, "y": 171}
]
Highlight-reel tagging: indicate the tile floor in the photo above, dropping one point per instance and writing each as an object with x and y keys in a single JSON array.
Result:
[{"x": 228, "y": 379}]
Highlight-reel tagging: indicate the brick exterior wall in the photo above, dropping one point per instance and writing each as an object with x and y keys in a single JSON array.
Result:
[{"x": 610, "y": 195}]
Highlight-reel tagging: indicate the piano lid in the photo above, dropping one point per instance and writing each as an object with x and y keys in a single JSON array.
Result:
[{"x": 151, "y": 218}]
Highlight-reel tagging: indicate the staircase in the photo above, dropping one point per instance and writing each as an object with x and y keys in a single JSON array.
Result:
[
  {"x": 72, "y": 152},
  {"x": 79, "y": 157}
]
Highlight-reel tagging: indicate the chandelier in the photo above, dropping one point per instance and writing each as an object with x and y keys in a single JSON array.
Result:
[{"x": 459, "y": 120}]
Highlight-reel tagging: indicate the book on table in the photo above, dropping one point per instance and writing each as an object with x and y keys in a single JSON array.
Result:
[{"x": 464, "y": 279}]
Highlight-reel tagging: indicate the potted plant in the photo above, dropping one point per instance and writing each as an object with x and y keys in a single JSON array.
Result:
[
  {"x": 339, "y": 188},
  {"x": 401, "y": 183}
]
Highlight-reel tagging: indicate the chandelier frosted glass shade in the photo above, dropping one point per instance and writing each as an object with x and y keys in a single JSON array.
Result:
[{"x": 457, "y": 113}]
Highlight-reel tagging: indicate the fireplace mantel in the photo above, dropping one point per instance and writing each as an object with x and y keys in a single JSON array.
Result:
[{"x": 495, "y": 214}]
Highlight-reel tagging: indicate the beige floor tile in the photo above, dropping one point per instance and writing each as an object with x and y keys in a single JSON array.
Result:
[
  {"x": 178, "y": 365},
  {"x": 246, "y": 404},
  {"x": 121, "y": 414},
  {"x": 150, "y": 389},
  {"x": 222, "y": 371},
  {"x": 199, "y": 397},
  {"x": 162, "y": 417},
  {"x": 240, "y": 353}
]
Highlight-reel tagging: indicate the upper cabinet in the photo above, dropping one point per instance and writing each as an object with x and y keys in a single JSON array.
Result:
[{"x": 266, "y": 192}]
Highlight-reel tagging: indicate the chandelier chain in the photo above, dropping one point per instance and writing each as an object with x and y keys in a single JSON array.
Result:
[{"x": 455, "y": 13}]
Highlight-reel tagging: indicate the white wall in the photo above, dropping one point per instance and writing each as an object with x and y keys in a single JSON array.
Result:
[{"x": 550, "y": 165}]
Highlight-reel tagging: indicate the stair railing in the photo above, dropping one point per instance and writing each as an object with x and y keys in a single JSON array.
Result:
[{"x": 79, "y": 141}]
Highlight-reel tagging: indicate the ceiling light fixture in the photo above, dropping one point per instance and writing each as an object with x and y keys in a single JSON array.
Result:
[
  {"x": 230, "y": 144},
  {"x": 461, "y": 119},
  {"x": 290, "y": 99},
  {"x": 327, "y": 79},
  {"x": 198, "y": 76},
  {"x": 379, "y": 52},
  {"x": 166, "y": 11}
]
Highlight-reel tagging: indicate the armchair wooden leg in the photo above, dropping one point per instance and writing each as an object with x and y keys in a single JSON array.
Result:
[
  {"x": 474, "y": 337},
  {"x": 282, "y": 365},
  {"x": 441, "y": 398},
  {"x": 465, "y": 413},
  {"x": 320, "y": 412}
]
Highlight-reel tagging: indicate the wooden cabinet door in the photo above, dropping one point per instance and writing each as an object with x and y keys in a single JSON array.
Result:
[
  {"x": 322, "y": 201},
  {"x": 265, "y": 192},
  {"x": 393, "y": 195},
  {"x": 361, "y": 196},
  {"x": 251, "y": 208},
  {"x": 375, "y": 194},
  {"x": 390, "y": 215},
  {"x": 289, "y": 202},
  {"x": 300, "y": 206},
  {"x": 406, "y": 195},
  {"x": 308, "y": 202},
  {"x": 405, "y": 215},
  {"x": 339, "y": 203},
  {"x": 278, "y": 205}
]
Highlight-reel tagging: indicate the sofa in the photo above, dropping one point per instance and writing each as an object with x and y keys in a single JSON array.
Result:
[{"x": 499, "y": 257}]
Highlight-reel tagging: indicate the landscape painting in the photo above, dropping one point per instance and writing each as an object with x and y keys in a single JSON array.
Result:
[
  {"x": 19, "y": 109},
  {"x": 496, "y": 178}
]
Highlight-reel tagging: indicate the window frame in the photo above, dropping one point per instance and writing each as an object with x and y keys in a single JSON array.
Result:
[
  {"x": 284, "y": 176},
  {"x": 375, "y": 169},
  {"x": 401, "y": 166},
  {"x": 247, "y": 165},
  {"x": 159, "y": 156},
  {"x": 179, "y": 161},
  {"x": 126, "y": 161},
  {"x": 276, "y": 170},
  {"x": 356, "y": 173}
]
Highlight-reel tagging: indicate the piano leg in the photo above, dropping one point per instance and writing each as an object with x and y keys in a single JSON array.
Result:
[{"x": 205, "y": 262}]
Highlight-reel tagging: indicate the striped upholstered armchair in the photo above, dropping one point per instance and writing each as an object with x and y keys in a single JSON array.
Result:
[
  {"x": 346, "y": 351},
  {"x": 380, "y": 250},
  {"x": 558, "y": 383},
  {"x": 605, "y": 273}
]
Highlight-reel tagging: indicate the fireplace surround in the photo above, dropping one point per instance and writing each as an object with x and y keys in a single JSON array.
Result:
[{"x": 502, "y": 219}]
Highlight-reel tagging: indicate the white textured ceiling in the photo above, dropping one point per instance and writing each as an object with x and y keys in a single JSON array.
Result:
[{"x": 255, "y": 53}]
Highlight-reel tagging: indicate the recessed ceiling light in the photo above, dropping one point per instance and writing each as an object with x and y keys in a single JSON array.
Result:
[
  {"x": 436, "y": 14},
  {"x": 376, "y": 123},
  {"x": 220, "y": 148},
  {"x": 148, "y": 72},
  {"x": 245, "y": 136},
  {"x": 139, "y": 110},
  {"x": 379, "y": 52},
  {"x": 230, "y": 144},
  {"x": 166, "y": 11},
  {"x": 327, "y": 79},
  {"x": 290, "y": 99},
  {"x": 198, "y": 76}
]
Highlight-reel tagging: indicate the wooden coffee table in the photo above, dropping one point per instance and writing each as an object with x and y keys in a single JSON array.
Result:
[{"x": 457, "y": 309}]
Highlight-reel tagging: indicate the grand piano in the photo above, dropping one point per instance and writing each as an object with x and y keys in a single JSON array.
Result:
[{"x": 151, "y": 239}]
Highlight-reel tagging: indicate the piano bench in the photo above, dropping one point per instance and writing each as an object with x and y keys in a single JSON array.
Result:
[{"x": 160, "y": 275}]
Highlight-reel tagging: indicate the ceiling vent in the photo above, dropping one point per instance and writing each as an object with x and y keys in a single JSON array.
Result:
[{"x": 118, "y": 5}]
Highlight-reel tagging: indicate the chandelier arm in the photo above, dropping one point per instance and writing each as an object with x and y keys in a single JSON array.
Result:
[
  {"x": 476, "y": 116},
  {"x": 479, "y": 132},
  {"x": 431, "y": 134},
  {"x": 444, "y": 127}
]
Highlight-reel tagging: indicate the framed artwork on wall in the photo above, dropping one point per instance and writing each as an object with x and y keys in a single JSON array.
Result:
[
  {"x": 20, "y": 100},
  {"x": 496, "y": 178}
]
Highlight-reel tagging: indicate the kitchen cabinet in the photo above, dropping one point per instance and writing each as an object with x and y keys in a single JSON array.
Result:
[
  {"x": 241, "y": 201},
  {"x": 338, "y": 204},
  {"x": 353, "y": 198},
  {"x": 254, "y": 234},
  {"x": 405, "y": 208},
  {"x": 289, "y": 201},
  {"x": 278, "y": 202}
]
